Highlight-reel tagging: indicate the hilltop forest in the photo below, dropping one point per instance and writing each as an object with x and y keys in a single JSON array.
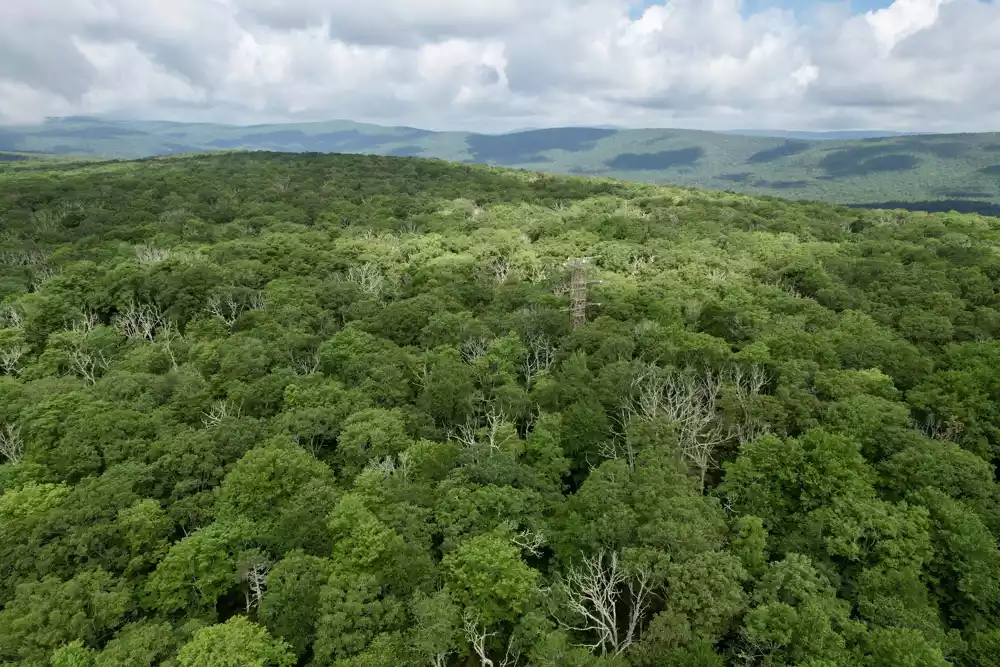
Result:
[
  {"x": 941, "y": 172},
  {"x": 328, "y": 410}
]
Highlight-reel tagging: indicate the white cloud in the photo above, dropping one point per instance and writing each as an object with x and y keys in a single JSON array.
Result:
[{"x": 496, "y": 64}]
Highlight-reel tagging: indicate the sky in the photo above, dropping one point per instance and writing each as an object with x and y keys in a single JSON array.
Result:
[{"x": 495, "y": 65}]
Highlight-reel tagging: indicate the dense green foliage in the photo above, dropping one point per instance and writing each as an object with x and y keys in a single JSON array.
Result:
[
  {"x": 924, "y": 172},
  {"x": 272, "y": 410}
]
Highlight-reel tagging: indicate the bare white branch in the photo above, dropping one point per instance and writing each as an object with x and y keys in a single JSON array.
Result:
[
  {"x": 228, "y": 307},
  {"x": 474, "y": 348},
  {"x": 140, "y": 321},
  {"x": 146, "y": 254},
  {"x": 10, "y": 358},
  {"x": 87, "y": 322},
  {"x": 689, "y": 401},
  {"x": 501, "y": 267},
  {"x": 477, "y": 636},
  {"x": 530, "y": 541},
  {"x": 88, "y": 364},
  {"x": 254, "y": 574},
  {"x": 11, "y": 444},
  {"x": 386, "y": 466},
  {"x": 369, "y": 278},
  {"x": 596, "y": 591},
  {"x": 40, "y": 274},
  {"x": 539, "y": 360},
  {"x": 10, "y": 316},
  {"x": 219, "y": 411}
]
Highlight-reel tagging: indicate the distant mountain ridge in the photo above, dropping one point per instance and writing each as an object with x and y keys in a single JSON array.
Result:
[{"x": 851, "y": 167}]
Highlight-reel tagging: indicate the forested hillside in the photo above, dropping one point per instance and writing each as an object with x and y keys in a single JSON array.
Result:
[
  {"x": 276, "y": 410},
  {"x": 925, "y": 172}
]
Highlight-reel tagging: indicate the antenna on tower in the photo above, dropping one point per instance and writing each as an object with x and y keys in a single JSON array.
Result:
[{"x": 578, "y": 289}]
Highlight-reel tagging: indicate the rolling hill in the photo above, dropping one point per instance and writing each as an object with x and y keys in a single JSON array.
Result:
[{"x": 952, "y": 171}]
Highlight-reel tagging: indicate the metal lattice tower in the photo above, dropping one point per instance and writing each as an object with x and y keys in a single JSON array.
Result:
[{"x": 578, "y": 290}]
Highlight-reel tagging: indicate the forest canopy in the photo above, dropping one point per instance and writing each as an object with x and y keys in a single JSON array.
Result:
[{"x": 277, "y": 410}]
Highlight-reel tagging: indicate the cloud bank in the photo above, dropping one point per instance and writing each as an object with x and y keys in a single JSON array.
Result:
[{"x": 502, "y": 64}]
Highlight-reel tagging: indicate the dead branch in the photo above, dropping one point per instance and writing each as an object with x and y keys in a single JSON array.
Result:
[
  {"x": 596, "y": 591},
  {"x": 539, "y": 360},
  {"x": 140, "y": 321},
  {"x": 219, "y": 411},
  {"x": 10, "y": 358},
  {"x": 11, "y": 444}
]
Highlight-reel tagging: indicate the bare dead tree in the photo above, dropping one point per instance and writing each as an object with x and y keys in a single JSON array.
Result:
[
  {"x": 745, "y": 384},
  {"x": 10, "y": 316},
  {"x": 219, "y": 411},
  {"x": 477, "y": 636},
  {"x": 10, "y": 358},
  {"x": 166, "y": 336},
  {"x": 539, "y": 273},
  {"x": 530, "y": 541},
  {"x": 688, "y": 401},
  {"x": 465, "y": 434},
  {"x": 501, "y": 267},
  {"x": 11, "y": 444},
  {"x": 146, "y": 254},
  {"x": 753, "y": 651},
  {"x": 305, "y": 363},
  {"x": 539, "y": 360},
  {"x": 474, "y": 348},
  {"x": 596, "y": 591},
  {"x": 253, "y": 572},
  {"x": 86, "y": 323},
  {"x": 495, "y": 420},
  {"x": 25, "y": 258},
  {"x": 638, "y": 264},
  {"x": 386, "y": 466},
  {"x": 937, "y": 429},
  {"x": 256, "y": 301},
  {"x": 228, "y": 307},
  {"x": 619, "y": 446},
  {"x": 368, "y": 277},
  {"x": 140, "y": 321},
  {"x": 88, "y": 364},
  {"x": 40, "y": 274}
]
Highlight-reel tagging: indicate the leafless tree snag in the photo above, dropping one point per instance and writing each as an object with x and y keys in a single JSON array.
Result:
[
  {"x": 745, "y": 384},
  {"x": 539, "y": 360},
  {"x": 11, "y": 444},
  {"x": 10, "y": 358},
  {"x": 368, "y": 277},
  {"x": 530, "y": 541},
  {"x": 140, "y": 321},
  {"x": 85, "y": 324},
  {"x": 937, "y": 429},
  {"x": 474, "y": 348},
  {"x": 88, "y": 364},
  {"x": 10, "y": 317},
  {"x": 689, "y": 401},
  {"x": 477, "y": 636},
  {"x": 253, "y": 572},
  {"x": 148, "y": 254},
  {"x": 501, "y": 267},
  {"x": 219, "y": 411},
  {"x": 595, "y": 593},
  {"x": 229, "y": 307}
]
